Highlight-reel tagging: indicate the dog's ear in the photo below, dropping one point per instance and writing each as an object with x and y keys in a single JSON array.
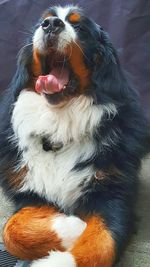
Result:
[
  {"x": 23, "y": 75},
  {"x": 108, "y": 77}
]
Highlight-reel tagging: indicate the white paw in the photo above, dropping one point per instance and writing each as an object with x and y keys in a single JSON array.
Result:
[
  {"x": 56, "y": 259},
  {"x": 68, "y": 228}
]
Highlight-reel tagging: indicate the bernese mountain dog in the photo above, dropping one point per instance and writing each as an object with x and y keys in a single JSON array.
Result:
[{"x": 71, "y": 143}]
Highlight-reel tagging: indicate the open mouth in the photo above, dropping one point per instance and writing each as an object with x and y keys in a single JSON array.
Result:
[{"x": 57, "y": 76}]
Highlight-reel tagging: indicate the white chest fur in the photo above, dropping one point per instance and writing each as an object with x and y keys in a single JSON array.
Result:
[{"x": 51, "y": 173}]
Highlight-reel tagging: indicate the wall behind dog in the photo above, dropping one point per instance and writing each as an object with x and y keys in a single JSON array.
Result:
[{"x": 128, "y": 24}]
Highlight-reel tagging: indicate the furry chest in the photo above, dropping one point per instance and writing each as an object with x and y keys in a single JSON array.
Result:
[{"x": 51, "y": 174}]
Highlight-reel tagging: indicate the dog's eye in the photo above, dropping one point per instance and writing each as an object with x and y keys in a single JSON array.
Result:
[{"x": 74, "y": 18}]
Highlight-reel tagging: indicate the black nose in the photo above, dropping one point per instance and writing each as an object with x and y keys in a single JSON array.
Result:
[{"x": 52, "y": 24}]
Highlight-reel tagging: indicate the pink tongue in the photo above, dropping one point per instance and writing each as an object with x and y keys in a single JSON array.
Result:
[{"x": 53, "y": 82}]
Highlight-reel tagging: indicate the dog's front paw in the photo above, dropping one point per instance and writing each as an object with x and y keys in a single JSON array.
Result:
[{"x": 55, "y": 259}]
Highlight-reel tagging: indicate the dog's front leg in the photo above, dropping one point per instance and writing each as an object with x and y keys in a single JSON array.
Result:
[
  {"x": 33, "y": 232},
  {"x": 94, "y": 248}
]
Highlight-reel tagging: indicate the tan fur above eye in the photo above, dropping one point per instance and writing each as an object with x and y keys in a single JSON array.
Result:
[
  {"x": 74, "y": 17},
  {"x": 46, "y": 15}
]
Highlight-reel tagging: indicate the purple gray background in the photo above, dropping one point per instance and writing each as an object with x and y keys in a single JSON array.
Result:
[{"x": 126, "y": 21}]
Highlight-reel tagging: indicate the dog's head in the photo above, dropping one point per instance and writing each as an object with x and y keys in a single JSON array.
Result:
[{"x": 68, "y": 55}]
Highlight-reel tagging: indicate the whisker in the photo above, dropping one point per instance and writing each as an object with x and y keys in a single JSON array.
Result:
[
  {"x": 61, "y": 72},
  {"x": 81, "y": 50},
  {"x": 70, "y": 51},
  {"x": 27, "y": 45},
  {"x": 26, "y": 33},
  {"x": 31, "y": 43}
]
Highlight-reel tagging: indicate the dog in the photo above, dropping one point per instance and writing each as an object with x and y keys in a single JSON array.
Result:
[{"x": 72, "y": 135}]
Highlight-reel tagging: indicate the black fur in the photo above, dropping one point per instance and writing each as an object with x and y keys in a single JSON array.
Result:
[{"x": 119, "y": 139}]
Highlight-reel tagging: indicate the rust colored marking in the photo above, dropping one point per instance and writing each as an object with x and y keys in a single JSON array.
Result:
[
  {"x": 28, "y": 234},
  {"x": 112, "y": 170},
  {"x": 96, "y": 246},
  {"x": 47, "y": 14},
  {"x": 99, "y": 175},
  {"x": 36, "y": 63},
  {"x": 74, "y": 17},
  {"x": 76, "y": 60},
  {"x": 15, "y": 178}
]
